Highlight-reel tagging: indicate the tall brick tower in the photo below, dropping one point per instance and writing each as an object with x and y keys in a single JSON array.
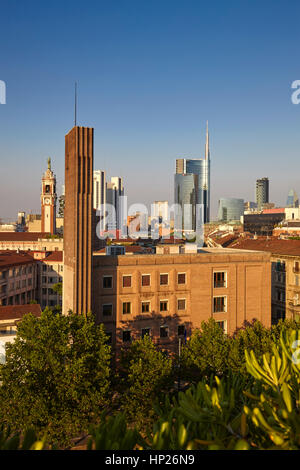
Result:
[
  {"x": 48, "y": 201},
  {"x": 77, "y": 284}
]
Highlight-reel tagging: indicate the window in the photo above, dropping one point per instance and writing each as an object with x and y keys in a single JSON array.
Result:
[
  {"x": 223, "y": 325},
  {"x": 107, "y": 282},
  {"x": 164, "y": 279},
  {"x": 220, "y": 279},
  {"x": 146, "y": 332},
  {"x": 126, "y": 307},
  {"x": 145, "y": 280},
  {"x": 181, "y": 278},
  {"x": 181, "y": 304},
  {"x": 220, "y": 304},
  {"x": 296, "y": 280},
  {"x": 126, "y": 281},
  {"x": 145, "y": 307},
  {"x": 163, "y": 305},
  {"x": 181, "y": 330},
  {"x": 126, "y": 336},
  {"x": 164, "y": 331},
  {"x": 296, "y": 267},
  {"x": 107, "y": 310}
]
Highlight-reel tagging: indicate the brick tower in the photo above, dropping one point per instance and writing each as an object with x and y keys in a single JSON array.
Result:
[
  {"x": 77, "y": 285},
  {"x": 48, "y": 201}
]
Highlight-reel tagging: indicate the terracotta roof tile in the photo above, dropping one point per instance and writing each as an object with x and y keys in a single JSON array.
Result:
[
  {"x": 272, "y": 245},
  {"x": 10, "y": 312}
]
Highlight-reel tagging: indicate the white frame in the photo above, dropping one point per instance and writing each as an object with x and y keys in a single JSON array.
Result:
[
  {"x": 225, "y": 303},
  {"x": 226, "y": 278}
]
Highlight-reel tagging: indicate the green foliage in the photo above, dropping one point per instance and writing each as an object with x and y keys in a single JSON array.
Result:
[
  {"x": 56, "y": 376},
  {"x": 147, "y": 373},
  {"x": 113, "y": 434},
  {"x": 29, "y": 441},
  {"x": 276, "y": 413},
  {"x": 206, "y": 353},
  {"x": 58, "y": 288}
]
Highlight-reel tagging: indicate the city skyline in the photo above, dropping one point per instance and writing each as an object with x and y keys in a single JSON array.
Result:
[{"x": 151, "y": 95}]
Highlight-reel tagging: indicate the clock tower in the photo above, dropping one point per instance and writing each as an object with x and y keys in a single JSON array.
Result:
[{"x": 48, "y": 201}]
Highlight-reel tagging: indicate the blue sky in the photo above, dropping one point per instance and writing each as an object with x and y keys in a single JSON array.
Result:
[{"x": 150, "y": 73}]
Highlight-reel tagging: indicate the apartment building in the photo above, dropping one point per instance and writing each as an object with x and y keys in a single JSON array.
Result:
[
  {"x": 285, "y": 265},
  {"x": 18, "y": 278},
  {"x": 167, "y": 296}
]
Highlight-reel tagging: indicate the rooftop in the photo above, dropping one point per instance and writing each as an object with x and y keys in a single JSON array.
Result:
[
  {"x": 272, "y": 245},
  {"x": 15, "y": 312},
  {"x": 13, "y": 258}
]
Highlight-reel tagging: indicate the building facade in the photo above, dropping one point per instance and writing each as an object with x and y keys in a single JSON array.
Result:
[
  {"x": 167, "y": 296},
  {"x": 18, "y": 278},
  {"x": 262, "y": 192},
  {"x": 230, "y": 209}
]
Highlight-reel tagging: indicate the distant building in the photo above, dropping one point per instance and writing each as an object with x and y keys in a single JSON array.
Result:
[
  {"x": 230, "y": 209},
  {"x": 292, "y": 199},
  {"x": 114, "y": 192},
  {"x": 285, "y": 263},
  {"x": 18, "y": 279},
  {"x": 48, "y": 201},
  {"x": 250, "y": 206},
  {"x": 262, "y": 224},
  {"x": 262, "y": 192},
  {"x": 194, "y": 184}
]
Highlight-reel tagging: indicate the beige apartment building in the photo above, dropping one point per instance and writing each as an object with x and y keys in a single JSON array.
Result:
[
  {"x": 18, "y": 278},
  {"x": 167, "y": 296},
  {"x": 29, "y": 241},
  {"x": 285, "y": 264}
]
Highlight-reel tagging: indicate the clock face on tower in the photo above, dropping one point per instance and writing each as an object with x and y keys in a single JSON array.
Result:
[{"x": 47, "y": 200}]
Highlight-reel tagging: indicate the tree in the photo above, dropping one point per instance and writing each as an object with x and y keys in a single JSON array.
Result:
[
  {"x": 58, "y": 288},
  {"x": 56, "y": 376},
  {"x": 206, "y": 352},
  {"x": 147, "y": 372}
]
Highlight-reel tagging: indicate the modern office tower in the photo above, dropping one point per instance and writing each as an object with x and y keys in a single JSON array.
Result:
[
  {"x": 197, "y": 172},
  {"x": 99, "y": 197},
  {"x": 262, "y": 192},
  {"x": 99, "y": 189},
  {"x": 185, "y": 196},
  {"x": 48, "y": 200},
  {"x": 77, "y": 285},
  {"x": 114, "y": 192},
  {"x": 230, "y": 209},
  {"x": 292, "y": 199}
]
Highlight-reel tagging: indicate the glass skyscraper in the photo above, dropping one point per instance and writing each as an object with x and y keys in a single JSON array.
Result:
[
  {"x": 230, "y": 209},
  {"x": 192, "y": 186}
]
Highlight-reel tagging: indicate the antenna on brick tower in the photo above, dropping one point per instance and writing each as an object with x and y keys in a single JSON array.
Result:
[{"x": 75, "y": 110}]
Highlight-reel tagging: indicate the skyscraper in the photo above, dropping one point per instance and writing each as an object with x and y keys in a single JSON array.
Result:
[
  {"x": 292, "y": 199},
  {"x": 192, "y": 183},
  {"x": 262, "y": 192},
  {"x": 99, "y": 196},
  {"x": 114, "y": 191}
]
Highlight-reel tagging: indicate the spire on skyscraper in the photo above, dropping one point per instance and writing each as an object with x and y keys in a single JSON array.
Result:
[{"x": 207, "y": 153}]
